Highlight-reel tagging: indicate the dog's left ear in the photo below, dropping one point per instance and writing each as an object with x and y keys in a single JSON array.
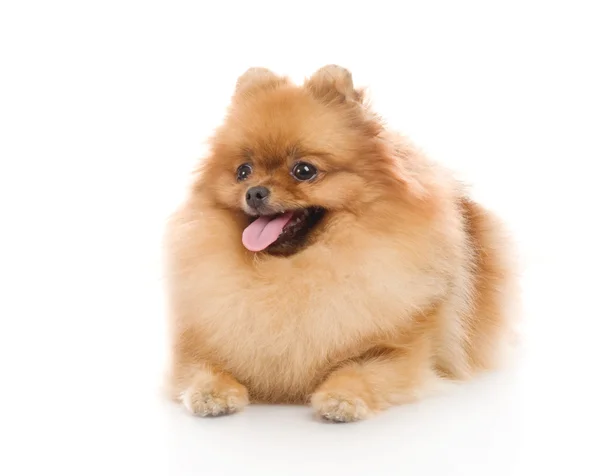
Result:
[
  {"x": 333, "y": 83},
  {"x": 257, "y": 78}
]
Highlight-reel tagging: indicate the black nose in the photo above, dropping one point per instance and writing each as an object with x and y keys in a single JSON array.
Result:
[{"x": 257, "y": 196}]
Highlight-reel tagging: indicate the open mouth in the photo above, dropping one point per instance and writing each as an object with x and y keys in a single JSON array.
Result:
[{"x": 282, "y": 232}]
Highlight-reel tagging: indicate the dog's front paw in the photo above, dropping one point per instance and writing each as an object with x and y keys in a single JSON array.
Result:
[
  {"x": 344, "y": 397},
  {"x": 214, "y": 395},
  {"x": 340, "y": 407}
]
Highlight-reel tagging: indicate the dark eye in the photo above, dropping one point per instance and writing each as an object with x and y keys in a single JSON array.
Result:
[
  {"x": 243, "y": 172},
  {"x": 303, "y": 171}
]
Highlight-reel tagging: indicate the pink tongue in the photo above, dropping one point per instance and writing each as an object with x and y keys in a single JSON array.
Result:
[{"x": 264, "y": 231}]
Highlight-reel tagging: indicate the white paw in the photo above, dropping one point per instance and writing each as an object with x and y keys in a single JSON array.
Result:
[
  {"x": 209, "y": 402},
  {"x": 339, "y": 408}
]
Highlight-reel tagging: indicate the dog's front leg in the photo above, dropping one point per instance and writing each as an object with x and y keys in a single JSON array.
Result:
[{"x": 383, "y": 377}]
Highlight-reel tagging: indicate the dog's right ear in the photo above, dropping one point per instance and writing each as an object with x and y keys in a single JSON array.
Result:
[
  {"x": 333, "y": 83},
  {"x": 257, "y": 78}
]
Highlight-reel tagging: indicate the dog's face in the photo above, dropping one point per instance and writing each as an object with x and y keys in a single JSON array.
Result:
[{"x": 288, "y": 158}]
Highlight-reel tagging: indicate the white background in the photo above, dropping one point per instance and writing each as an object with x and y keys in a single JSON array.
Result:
[{"x": 104, "y": 110}]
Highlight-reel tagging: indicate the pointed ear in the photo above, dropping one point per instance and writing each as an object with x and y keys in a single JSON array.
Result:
[
  {"x": 256, "y": 78},
  {"x": 333, "y": 83}
]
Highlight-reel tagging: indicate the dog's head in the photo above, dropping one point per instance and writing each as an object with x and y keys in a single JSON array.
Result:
[{"x": 288, "y": 158}]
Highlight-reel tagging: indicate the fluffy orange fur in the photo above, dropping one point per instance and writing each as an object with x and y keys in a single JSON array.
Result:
[{"x": 405, "y": 281}]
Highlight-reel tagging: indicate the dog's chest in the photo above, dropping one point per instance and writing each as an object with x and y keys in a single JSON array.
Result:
[{"x": 280, "y": 336}]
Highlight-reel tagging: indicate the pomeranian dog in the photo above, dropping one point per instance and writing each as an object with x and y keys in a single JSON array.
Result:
[{"x": 320, "y": 258}]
